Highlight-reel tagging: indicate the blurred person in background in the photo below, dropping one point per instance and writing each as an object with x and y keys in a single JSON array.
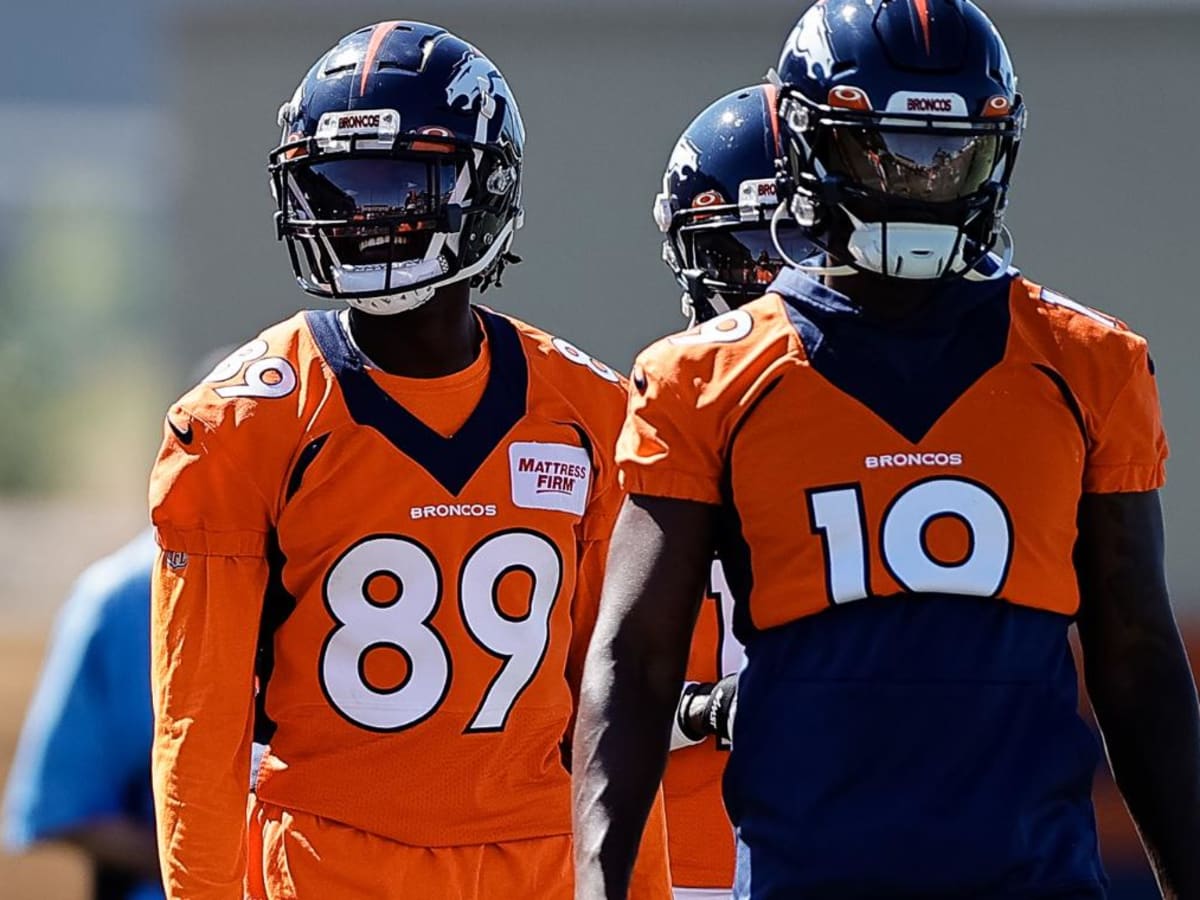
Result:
[{"x": 82, "y": 770}]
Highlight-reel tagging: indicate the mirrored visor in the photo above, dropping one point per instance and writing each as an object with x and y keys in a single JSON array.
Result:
[
  {"x": 933, "y": 167},
  {"x": 374, "y": 211},
  {"x": 366, "y": 189},
  {"x": 746, "y": 258}
]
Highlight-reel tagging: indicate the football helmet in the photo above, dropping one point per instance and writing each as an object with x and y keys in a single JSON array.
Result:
[
  {"x": 901, "y": 123},
  {"x": 399, "y": 168},
  {"x": 718, "y": 195}
]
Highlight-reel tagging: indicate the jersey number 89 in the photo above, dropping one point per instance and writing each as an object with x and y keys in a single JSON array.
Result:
[{"x": 383, "y": 593}]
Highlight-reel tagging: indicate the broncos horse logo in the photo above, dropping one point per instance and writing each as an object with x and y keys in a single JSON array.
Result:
[
  {"x": 475, "y": 78},
  {"x": 685, "y": 159}
]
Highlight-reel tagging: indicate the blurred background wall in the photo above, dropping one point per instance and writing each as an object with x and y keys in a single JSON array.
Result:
[{"x": 136, "y": 235}]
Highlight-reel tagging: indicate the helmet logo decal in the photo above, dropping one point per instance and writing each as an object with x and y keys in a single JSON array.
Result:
[
  {"x": 475, "y": 78},
  {"x": 378, "y": 36},
  {"x": 923, "y": 15},
  {"x": 929, "y": 104},
  {"x": 706, "y": 199},
  {"x": 685, "y": 159}
]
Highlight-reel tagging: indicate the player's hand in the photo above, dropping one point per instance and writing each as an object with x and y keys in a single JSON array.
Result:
[{"x": 706, "y": 708}]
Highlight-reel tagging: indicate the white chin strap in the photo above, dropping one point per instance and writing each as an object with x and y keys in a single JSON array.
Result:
[
  {"x": 916, "y": 251},
  {"x": 359, "y": 279}
]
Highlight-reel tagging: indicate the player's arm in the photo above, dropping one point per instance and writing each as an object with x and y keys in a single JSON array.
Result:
[
  {"x": 1135, "y": 668},
  {"x": 208, "y": 589},
  {"x": 1139, "y": 681},
  {"x": 653, "y": 586},
  {"x": 651, "y": 877}
]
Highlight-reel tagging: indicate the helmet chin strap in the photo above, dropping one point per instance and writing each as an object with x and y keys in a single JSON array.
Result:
[
  {"x": 914, "y": 243},
  {"x": 776, "y": 218},
  {"x": 1005, "y": 260},
  {"x": 351, "y": 278},
  {"x": 393, "y": 304}
]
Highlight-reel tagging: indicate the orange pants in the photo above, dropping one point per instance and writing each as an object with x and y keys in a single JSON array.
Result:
[{"x": 299, "y": 856}]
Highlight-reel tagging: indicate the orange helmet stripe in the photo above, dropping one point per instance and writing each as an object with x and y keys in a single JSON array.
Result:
[
  {"x": 772, "y": 98},
  {"x": 378, "y": 36},
  {"x": 923, "y": 14}
]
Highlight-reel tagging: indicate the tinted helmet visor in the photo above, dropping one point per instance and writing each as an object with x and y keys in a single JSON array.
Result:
[
  {"x": 929, "y": 166},
  {"x": 374, "y": 210},
  {"x": 745, "y": 259}
]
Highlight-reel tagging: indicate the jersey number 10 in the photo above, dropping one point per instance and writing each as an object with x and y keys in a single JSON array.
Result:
[{"x": 837, "y": 514}]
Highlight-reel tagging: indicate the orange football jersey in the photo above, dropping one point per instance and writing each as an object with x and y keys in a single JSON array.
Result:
[
  {"x": 897, "y": 514},
  {"x": 838, "y": 501},
  {"x": 414, "y": 600},
  {"x": 699, "y": 833}
]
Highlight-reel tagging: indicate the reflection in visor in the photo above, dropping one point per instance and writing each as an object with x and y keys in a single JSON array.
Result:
[
  {"x": 934, "y": 168},
  {"x": 375, "y": 211},
  {"x": 746, "y": 259}
]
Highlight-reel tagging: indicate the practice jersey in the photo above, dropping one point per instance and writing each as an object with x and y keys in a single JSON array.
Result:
[
  {"x": 898, "y": 514},
  {"x": 699, "y": 832},
  {"x": 415, "y": 604}
]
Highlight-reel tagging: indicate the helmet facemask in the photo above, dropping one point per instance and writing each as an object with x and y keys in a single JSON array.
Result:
[
  {"x": 379, "y": 221},
  {"x": 902, "y": 195},
  {"x": 724, "y": 255}
]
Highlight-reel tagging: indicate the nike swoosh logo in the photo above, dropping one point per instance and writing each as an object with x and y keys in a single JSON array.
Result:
[{"x": 185, "y": 437}]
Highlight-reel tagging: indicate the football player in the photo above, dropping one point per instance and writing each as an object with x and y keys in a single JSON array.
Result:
[
  {"x": 715, "y": 208},
  {"x": 920, "y": 469},
  {"x": 394, "y": 516}
]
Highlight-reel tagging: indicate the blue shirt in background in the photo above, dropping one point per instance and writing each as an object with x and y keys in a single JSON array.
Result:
[{"x": 84, "y": 752}]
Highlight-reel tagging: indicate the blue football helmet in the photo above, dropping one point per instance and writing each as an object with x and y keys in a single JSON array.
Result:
[
  {"x": 717, "y": 199},
  {"x": 399, "y": 168},
  {"x": 901, "y": 123}
]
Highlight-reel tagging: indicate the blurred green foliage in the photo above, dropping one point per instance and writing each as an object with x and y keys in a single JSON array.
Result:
[{"x": 78, "y": 271}]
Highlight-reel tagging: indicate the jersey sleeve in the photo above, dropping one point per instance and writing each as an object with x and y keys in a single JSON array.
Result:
[
  {"x": 670, "y": 445},
  {"x": 212, "y": 522},
  {"x": 1128, "y": 451},
  {"x": 70, "y": 767},
  {"x": 687, "y": 394}
]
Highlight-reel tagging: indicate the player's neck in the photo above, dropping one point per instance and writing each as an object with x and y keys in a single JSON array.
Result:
[
  {"x": 439, "y": 338},
  {"x": 884, "y": 298}
]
